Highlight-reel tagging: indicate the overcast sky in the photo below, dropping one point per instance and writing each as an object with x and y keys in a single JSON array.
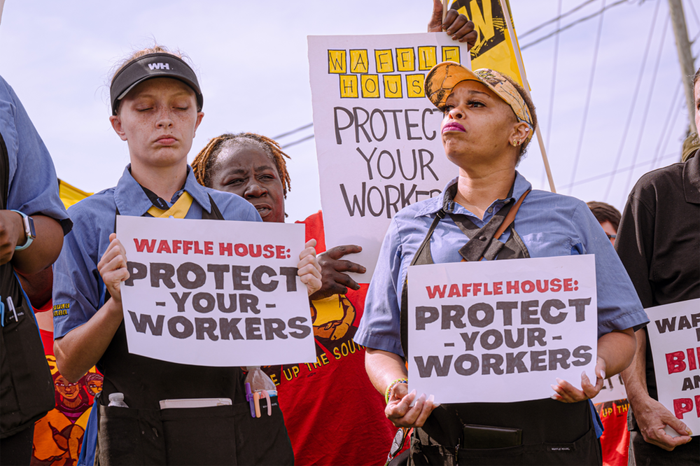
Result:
[{"x": 251, "y": 58}]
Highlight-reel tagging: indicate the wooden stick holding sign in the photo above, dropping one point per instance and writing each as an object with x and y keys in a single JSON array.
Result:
[
  {"x": 526, "y": 86},
  {"x": 445, "y": 7}
]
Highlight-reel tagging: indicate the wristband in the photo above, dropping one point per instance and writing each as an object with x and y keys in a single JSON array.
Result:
[{"x": 387, "y": 393}]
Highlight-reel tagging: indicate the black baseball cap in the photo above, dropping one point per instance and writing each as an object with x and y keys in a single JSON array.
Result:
[{"x": 149, "y": 66}]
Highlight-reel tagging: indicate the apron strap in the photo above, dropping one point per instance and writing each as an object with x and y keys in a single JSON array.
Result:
[{"x": 484, "y": 242}]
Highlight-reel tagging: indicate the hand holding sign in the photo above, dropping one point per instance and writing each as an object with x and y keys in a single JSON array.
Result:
[
  {"x": 309, "y": 269},
  {"x": 408, "y": 409},
  {"x": 570, "y": 394},
  {"x": 654, "y": 421},
  {"x": 112, "y": 267},
  {"x": 334, "y": 280},
  {"x": 456, "y": 25}
]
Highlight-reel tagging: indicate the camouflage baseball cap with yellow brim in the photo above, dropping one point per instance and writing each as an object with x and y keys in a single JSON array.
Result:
[{"x": 443, "y": 78}]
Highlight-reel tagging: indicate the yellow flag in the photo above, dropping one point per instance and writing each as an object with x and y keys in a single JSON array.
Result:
[
  {"x": 493, "y": 47},
  {"x": 70, "y": 194}
]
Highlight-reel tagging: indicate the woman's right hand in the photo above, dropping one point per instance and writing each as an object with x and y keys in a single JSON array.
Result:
[
  {"x": 400, "y": 412},
  {"x": 112, "y": 268}
]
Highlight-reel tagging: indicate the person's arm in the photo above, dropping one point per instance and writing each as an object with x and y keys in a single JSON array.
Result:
[
  {"x": 383, "y": 368},
  {"x": 334, "y": 279},
  {"x": 634, "y": 244},
  {"x": 81, "y": 348},
  {"x": 41, "y": 253},
  {"x": 651, "y": 416},
  {"x": 615, "y": 352},
  {"x": 456, "y": 25}
]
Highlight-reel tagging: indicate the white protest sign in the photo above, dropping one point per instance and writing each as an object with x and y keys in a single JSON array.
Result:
[
  {"x": 501, "y": 331},
  {"x": 377, "y": 137},
  {"x": 215, "y": 293},
  {"x": 674, "y": 336},
  {"x": 613, "y": 390}
]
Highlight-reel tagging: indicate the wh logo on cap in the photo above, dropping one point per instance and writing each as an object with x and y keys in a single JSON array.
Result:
[{"x": 158, "y": 66}]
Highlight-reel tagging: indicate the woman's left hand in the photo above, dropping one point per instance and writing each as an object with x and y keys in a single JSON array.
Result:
[
  {"x": 308, "y": 269},
  {"x": 456, "y": 25},
  {"x": 567, "y": 393}
]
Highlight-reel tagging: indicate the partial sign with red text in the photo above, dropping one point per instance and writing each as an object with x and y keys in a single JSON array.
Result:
[
  {"x": 674, "y": 336},
  {"x": 215, "y": 293},
  {"x": 501, "y": 331}
]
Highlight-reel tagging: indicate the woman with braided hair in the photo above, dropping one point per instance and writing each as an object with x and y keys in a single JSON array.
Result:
[
  {"x": 156, "y": 106},
  {"x": 343, "y": 422}
]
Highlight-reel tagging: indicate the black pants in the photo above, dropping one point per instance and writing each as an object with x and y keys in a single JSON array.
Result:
[
  {"x": 17, "y": 449},
  {"x": 646, "y": 454}
]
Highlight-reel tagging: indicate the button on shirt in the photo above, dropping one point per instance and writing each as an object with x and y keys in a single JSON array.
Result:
[
  {"x": 78, "y": 290},
  {"x": 33, "y": 186},
  {"x": 549, "y": 225}
]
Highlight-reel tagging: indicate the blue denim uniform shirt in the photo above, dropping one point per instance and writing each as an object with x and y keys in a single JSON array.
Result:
[
  {"x": 549, "y": 225},
  {"x": 33, "y": 186},
  {"x": 78, "y": 291}
]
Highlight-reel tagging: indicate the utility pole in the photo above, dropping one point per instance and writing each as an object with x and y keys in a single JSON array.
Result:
[{"x": 685, "y": 57}]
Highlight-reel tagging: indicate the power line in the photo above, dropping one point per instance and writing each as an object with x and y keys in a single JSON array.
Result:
[
  {"x": 648, "y": 100},
  {"x": 695, "y": 13},
  {"x": 568, "y": 26},
  {"x": 299, "y": 141},
  {"x": 666, "y": 129},
  {"x": 588, "y": 94},
  {"x": 615, "y": 172},
  {"x": 557, "y": 19},
  {"x": 554, "y": 83},
  {"x": 650, "y": 35},
  {"x": 293, "y": 131},
  {"x": 681, "y": 103}
]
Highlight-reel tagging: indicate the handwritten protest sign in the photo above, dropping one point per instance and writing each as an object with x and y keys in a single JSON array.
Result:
[
  {"x": 215, "y": 293},
  {"x": 674, "y": 336},
  {"x": 377, "y": 136},
  {"x": 501, "y": 331}
]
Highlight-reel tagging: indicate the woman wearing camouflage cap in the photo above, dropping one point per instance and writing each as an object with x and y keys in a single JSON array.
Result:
[{"x": 487, "y": 125}]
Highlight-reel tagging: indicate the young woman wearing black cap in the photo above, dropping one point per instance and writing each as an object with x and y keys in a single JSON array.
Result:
[
  {"x": 156, "y": 107},
  {"x": 488, "y": 121}
]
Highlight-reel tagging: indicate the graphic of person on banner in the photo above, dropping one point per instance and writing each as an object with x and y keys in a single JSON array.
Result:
[
  {"x": 156, "y": 104},
  {"x": 488, "y": 122},
  {"x": 58, "y": 436},
  {"x": 659, "y": 245}
]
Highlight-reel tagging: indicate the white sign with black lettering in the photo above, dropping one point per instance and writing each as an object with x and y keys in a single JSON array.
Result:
[
  {"x": 215, "y": 293},
  {"x": 674, "y": 336},
  {"x": 501, "y": 331},
  {"x": 377, "y": 136}
]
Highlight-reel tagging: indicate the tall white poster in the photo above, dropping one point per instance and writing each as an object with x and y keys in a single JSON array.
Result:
[
  {"x": 501, "y": 331},
  {"x": 377, "y": 137},
  {"x": 215, "y": 293}
]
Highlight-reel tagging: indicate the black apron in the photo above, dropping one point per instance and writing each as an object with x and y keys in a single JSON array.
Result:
[
  {"x": 553, "y": 433},
  {"x": 26, "y": 386},
  {"x": 144, "y": 434}
]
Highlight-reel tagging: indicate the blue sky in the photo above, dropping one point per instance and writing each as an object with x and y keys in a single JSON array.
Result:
[{"x": 252, "y": 61}]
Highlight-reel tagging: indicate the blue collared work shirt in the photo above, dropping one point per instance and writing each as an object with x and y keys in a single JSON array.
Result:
[
  {"x": 78, "y": 290},
  {"x": 549, "y": 225},
  {"x": 33, "y": 186}
]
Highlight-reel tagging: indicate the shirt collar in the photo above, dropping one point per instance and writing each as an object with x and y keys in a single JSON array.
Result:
[
  {"x": 131, "y": 199},
  {"x": 691, "y": 179},
  {"x": 431, "y": 206}
]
